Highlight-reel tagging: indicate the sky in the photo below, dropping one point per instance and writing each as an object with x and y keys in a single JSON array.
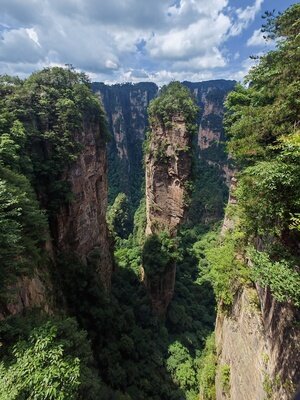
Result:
[{"x": 134, "y": 40}]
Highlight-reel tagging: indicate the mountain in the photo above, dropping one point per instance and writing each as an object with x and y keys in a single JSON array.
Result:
[{"x": 126, "y": 109}]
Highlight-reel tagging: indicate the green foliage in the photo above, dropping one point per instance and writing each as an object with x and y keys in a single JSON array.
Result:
[
  {"x": 276, "y": 183},
  {"x": 22, "y": 226},
  {"x": 128, "y": 342},
  {"x": 225, "y": 377},
  {"x": 118, "y": 217},
  {"x": 51, "y": 359},
  {"x": 40, "y": 371},
  {"x": 174, "y": 100},
  {"x": 159, "y": 253},
  {"x": 208, "y": 196},
  {"x": 136, "y": 352},
  {"x": 181, "y": 366},
  {"x": 262, "y": 123},
  {"x": 41, "y": 123},
  {"x": 280, "y": 276},
  {"x": 140, "y": 223},
  {"x": 225, "y": 271},
  {"x": 268, "y": 109},
  {"x": 207, "y": 370}
]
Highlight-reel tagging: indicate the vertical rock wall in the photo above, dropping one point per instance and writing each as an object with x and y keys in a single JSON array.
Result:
[
  {"x": 211, "y": 138},
  {"x": 79, "y": 228},
  {"x": 258, "y": 341},
  {"x": 81, "y": 224},
  {"x": 168, "y": 168},
  {"x": 126, "y": 108}
]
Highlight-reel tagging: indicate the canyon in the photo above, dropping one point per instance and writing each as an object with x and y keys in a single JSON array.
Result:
[{"x": 185, "y": 184}]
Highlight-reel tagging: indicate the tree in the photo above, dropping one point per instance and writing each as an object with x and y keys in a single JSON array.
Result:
[
  {"x": 174, "y": 99},
  {"x": 119, "y": 217},
  {"x": 41, "y": 369},
  {"x": 23, "y": 226},
  {"x": 262, "y": 121}
]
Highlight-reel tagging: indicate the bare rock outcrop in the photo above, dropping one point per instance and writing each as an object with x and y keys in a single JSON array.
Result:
[
  {"x": 81, "y": 224},
  {"x": 168, "y": 168}
]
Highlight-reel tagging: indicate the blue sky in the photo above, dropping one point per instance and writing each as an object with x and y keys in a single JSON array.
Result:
[{"x": 134, "y": 40}]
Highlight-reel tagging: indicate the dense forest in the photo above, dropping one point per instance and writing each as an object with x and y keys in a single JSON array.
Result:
[{"x": 89, "y": 343}]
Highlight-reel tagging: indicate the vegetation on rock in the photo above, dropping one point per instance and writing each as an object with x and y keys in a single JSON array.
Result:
[
  {"x": 262, "y": 124},
  {"x": 174, "y": 100}
]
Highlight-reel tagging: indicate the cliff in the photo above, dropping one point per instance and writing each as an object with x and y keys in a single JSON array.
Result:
[
  {"x": 168, "y": 161},
  {"x": 80, "y": 225},
  {"x": 126, "y": 108},
  {"x": 60, "y": 184},
  {"x": 78, "y": 228},
  {"x": 210, "y": 97},
  {"x": 257, "y": 342},
  {"x": 168, "y": 169}
]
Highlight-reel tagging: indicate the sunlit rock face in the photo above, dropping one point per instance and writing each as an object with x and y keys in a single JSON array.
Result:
[
  {"x": 168, "y": 169},
  {"x": 257, "y": 340}
]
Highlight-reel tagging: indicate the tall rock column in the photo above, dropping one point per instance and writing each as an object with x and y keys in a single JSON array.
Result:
[
  {"x": 168, "y": 168},
  {"x": 81, "y": 224}
]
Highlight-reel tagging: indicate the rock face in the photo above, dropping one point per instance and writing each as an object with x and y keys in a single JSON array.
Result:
[
  {"x": 168, "y": 168},
  {"x": 260, "y": 345},
  {"x": 126, "y": 108},
  {"x": 258, "y": 341},
  {"x": 28, "y": 292},
  {"x": 210, "y": 98},
  {"x": 80, "y": 226},
  {"x": 242, "y": 348}
]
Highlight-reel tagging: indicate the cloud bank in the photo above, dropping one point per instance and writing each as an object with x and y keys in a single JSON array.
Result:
[{"x": 123, "y": 40}]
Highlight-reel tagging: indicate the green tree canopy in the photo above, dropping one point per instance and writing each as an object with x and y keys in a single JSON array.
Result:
[{"x": 174, "y": 100}]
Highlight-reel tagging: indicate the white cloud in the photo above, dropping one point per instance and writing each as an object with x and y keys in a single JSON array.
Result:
[
  {"x": 190, "y": 42},
  {"x": 121, "y": 39},
  {"x": 245, "y": 16},
  {"x": 17, "y": 46},
  {"x": 257, "y": 39},
  {"x": 33, "y": 35},
  {"x": 249, "y": 13},
  {"x": 189, "y": 11}
]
